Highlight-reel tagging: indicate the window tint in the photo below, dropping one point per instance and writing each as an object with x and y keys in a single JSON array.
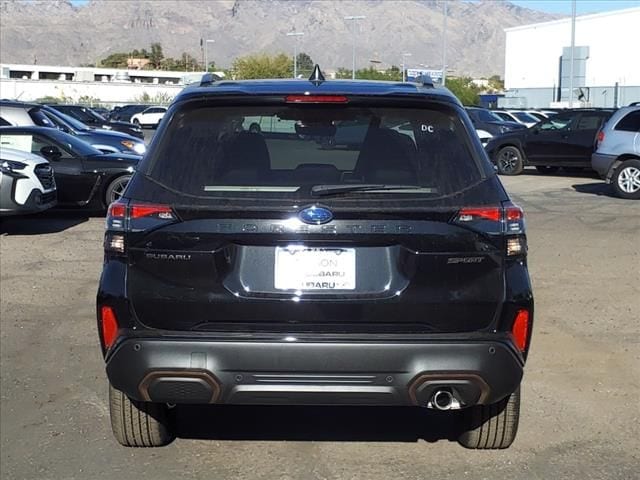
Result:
[
  {"x": 555, "y": 123},
  {"x": 589, "y": 122},
  {"x": 281, "y": 152},
  {"x": 39, "y": 118},
  {"x": 630, "y": 123}
]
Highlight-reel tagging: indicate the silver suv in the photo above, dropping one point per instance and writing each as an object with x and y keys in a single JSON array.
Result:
[{"x": 617, "y": 156}]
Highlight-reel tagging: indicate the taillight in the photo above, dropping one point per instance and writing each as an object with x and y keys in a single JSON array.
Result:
[
  {"x": 507, "y": 220},
  {"x": 316, "y": 99},
  {"x": 599, "y": 138},
  {"x": 123, "y": 218},
  {"x": 108, "y": 326},
  {"x": 142, "y": 210},
  {"x": 520, "y": 329}
]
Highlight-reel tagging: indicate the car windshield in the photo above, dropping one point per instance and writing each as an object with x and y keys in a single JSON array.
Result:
[
  {"x": 525, "y": 117},
  {"x": 292, "y": 152},
  {"x": 486, "y": 115},
  {"x": 66, "y": 119}
]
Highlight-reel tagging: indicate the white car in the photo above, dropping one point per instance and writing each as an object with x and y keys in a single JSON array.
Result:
[
  {"x": 27, "y": 184},
  {"x": 517, "y": 116},
  {"x": 150, "y": 117}
]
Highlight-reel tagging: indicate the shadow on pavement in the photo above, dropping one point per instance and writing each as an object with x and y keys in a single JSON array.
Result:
[
  {"x": 595, "y": 188},
  {"x": 51, "y": 221},
  {"x": 298, "y": 423}
]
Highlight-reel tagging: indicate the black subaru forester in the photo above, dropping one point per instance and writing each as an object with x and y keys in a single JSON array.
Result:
[{"x": 319, "y": 243}]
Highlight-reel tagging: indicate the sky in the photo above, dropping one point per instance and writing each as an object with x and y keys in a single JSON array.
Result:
[{"x": 562, "y": 7}]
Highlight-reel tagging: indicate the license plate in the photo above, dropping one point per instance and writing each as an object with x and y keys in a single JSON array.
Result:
[{"x": 301, "y": 268}]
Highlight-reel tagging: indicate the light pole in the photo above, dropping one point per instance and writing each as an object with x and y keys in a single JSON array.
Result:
[
  {"x": 444, "y": 42},
  {"x": 573, "y": 48},
  {"x": 354, "y": 18},
  {"x": 295, "y": 51},
  {"x": 206, "y": 54},
  {"x": 404, "y": 76}
]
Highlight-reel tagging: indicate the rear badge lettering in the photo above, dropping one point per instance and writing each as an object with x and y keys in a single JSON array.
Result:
[
  {"x": 168, "y": 256},
  {"x": 465, "y": 260}
]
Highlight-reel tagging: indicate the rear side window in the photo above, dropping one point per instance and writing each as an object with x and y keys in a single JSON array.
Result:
[
  {"x": 630, "y": 122},
  {"x": 281, "y": 152},
  {"x": 4, "y": 123},
  {"x": 589, "y": 122}
]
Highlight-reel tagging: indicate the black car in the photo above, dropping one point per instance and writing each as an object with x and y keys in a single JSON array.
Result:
[
  {"x": 125, "y": 112},
  {"x": 84, "y": 175},
  {"x": 95, "y": 120},
  {"x": 488, "y": 121},
  {"x": 565, "y": 140},
  {"x": 249, "y": 269},
  {"x": 21, "y": 114}
]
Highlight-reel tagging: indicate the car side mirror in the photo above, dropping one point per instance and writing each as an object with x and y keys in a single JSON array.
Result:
[{"x": 51, "y": 152}]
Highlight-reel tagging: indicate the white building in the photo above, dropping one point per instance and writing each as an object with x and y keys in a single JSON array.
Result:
[
  {"x": 606, "y": 61},
  {"x": 106, "y": 85}
]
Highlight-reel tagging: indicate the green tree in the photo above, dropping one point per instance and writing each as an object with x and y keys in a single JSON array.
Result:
[
  {"x": 115, "y": 60},
  {"x": 156, "y": 56},
  {"x": 262, "y": 66},
  {"x": 496, "y": 83},
  {"x": 392, "y": 74},
  {"x": 305, "y": 64},
  {"x": 464, "y": 89}
]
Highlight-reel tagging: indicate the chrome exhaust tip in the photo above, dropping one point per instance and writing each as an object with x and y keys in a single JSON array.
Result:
[{"x": 442, "y": 400}]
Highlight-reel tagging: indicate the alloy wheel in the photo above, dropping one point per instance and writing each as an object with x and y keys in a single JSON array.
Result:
[{"x": 629, "y": 179}]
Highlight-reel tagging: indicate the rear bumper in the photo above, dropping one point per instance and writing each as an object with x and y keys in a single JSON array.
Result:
[
  {"x": 602, "y": 163},
  {"x": 322, "y": 373}
]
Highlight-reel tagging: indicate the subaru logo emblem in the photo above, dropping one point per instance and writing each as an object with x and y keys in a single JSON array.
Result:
[{"x": 315, "y": 215}]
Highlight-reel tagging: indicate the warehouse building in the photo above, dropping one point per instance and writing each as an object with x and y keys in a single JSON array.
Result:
[{"x": 606, "y": 65}]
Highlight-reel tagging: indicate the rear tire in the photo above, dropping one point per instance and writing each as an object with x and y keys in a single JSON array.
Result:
[
  {"x": 626, "y": 180},
  {"x": 254, "y": 128},
  {"x": 547, "y": 169},
  {"x": 490, "y": 427},
  {"x": 138, "y": 424},
  {"x": 509, "y": 161}
]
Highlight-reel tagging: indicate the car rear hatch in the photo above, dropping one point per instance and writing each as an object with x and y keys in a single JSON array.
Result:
[{"x": 230, "y": 231}]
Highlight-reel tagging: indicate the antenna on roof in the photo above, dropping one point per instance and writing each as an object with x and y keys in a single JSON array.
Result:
[
  {"x": 425, "y": 80},
  {"x": 316, "y": 77},
  {"x": 208, "y": 79}
]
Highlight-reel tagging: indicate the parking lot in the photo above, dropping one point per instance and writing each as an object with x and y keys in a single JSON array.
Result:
[{"x": 580, "y": 413}]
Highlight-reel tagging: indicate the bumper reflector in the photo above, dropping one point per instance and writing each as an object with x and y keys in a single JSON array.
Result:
[
  {"x": 520, "y": 329},
  {"x": 109, "y": 325}
]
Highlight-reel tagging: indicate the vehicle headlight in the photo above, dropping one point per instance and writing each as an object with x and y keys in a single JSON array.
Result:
[
  {"x": 504, "y": 129},
  {"x": 8, "y": 166},
  {"x": 139, "y": 148}
]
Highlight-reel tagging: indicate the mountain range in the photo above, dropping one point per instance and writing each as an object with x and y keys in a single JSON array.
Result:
[{"x": 57, "y": 32}]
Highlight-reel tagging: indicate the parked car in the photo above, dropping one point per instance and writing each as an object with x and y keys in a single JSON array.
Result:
[
  {"x": 84, "y": 175},
  {"x": 273, "y": 271},
  {"x": 486, "y": 120},
  {"x": 617, "y": 158},
  {"x": 125, "y": 112},
  {"x": 94, "y": 120},
  {"x": 25, "y": 114},
  {"x": 269, "y": 125},
  {"x": 26, "y": 183},
  {"x": 150, "y": 117},
  {"x": 564, "y": 140},
  {"x": 103, "y": 112},
  {"x": 484, "y": 136},
  {"x": 516, "y": 116}
]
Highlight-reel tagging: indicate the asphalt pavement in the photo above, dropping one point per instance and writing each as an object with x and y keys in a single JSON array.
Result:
[{"x": 580, "y": 410}]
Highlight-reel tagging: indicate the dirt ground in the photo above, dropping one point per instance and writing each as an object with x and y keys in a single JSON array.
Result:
[{"x": 581, "y": 392}]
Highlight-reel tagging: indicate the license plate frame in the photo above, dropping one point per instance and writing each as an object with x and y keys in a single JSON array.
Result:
[{"x": 314, "y": 269}]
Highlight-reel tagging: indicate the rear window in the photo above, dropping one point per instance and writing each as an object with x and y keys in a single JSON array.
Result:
[
  {"x": 630, "y": 123},
  {"x": 282, "y": 152}
]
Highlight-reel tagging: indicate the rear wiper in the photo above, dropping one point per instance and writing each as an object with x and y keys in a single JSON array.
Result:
[{"x": 324, "y": 190}]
